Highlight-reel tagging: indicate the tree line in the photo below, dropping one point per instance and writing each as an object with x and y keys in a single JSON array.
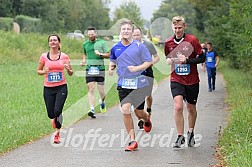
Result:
[{"x": 227, "y": 23}]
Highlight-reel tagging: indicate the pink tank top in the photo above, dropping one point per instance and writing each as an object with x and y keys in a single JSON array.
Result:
[{"x": 55, "y": 76}]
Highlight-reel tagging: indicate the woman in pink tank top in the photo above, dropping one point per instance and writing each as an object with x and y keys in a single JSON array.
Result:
[{"x": 52, "y": 65}]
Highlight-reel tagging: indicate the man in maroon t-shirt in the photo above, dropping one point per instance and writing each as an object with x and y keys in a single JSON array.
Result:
[{"x": 183, "y": 53}]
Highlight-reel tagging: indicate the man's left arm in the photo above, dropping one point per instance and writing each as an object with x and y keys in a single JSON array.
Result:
[{"x": 217, "y": 57}]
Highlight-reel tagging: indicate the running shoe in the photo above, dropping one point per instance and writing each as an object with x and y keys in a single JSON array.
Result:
[
  {"x": 179, "y": 142},
  {"x": 91, "y": 114},
  {"x": 140, "y": 124},
  {"x": 132, "y": 146},
  {"x": 103, "y": 108},
  {"x": 147, "y": 125},
  {"x": 190, "y": 139},
  {"x": 57, "y": 138}
]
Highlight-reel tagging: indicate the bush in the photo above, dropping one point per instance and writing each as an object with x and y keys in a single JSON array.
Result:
[
  {"x": 28, "y": 24},
  {"x": 6, "y": 23}
]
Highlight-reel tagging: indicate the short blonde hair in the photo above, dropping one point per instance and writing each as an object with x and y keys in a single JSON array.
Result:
[{"x": 177, "y": 19}]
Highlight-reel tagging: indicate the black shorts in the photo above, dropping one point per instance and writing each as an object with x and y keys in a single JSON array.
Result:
[
  {"x": 149, "y": 88},
  {"x": 189, "y": 92},
  {"x": 99, "y": 78},
  {"x": 134, "y": 96}
]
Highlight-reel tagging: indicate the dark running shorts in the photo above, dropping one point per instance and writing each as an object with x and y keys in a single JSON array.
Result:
[
  {"x": 148, "y": 89},
  {"x": 134, "y": 96},
  {"x": 99, "y": 78},
  {"x": 189, "y": 92}
]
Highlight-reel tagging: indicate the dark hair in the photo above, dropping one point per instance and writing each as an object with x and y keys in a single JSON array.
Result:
[
  {"x": 209, "y": 43},
  {"x": 56, "y": 36},
  {"x": 139, "y": 29},
  {"x": 91, "y": 28}
]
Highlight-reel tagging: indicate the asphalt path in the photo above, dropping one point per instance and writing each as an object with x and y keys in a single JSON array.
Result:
[{"x": 101, "y": 141}]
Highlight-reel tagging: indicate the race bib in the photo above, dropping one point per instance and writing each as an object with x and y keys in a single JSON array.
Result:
[
  {"x": 209, "y": 59},
  {"x": 182, "y": 69},
  {"x": 129, "y": 83},
  {"x": 54, "y": 76},
  {"x": 134, "y": 83},
  {"x": 93, "y": 71}
]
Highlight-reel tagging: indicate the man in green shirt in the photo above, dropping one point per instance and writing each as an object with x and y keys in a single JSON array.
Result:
[{"x": 95, "y": 50}]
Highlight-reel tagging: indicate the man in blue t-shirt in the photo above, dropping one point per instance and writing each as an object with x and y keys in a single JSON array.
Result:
[
  {"x": 212, "y": 61},
  {"x": 131, "y": 58}
]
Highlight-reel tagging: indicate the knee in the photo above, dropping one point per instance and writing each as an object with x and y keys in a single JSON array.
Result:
[{"x": 178, "y": 108}]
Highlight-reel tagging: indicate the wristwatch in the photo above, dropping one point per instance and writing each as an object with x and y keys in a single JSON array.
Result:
[{"x": 101, "y": 55}]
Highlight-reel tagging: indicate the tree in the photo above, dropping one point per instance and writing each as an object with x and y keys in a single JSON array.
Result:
[{"x": 131, "y": 11}]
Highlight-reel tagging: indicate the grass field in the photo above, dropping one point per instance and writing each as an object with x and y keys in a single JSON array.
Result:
[
  {"x": 23, "y": 115},
  {"x": 236, "y": 140}
]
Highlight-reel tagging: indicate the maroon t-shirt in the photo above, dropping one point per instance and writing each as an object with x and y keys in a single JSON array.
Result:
[{"x": 190, "y": 47}]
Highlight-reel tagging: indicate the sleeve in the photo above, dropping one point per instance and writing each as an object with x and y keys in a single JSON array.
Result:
[
  {"x": 66, "y": 58},
  {"x": 42, "y": 58},
  {"x": 215, "y": 54},
  {"x": 105, "y": 47},
  {"x": 166, "y": 51},
  {"x": 84, "y": 50},
  {"x": 197, "y": 47},
  {"x": 145, "y": 54},
  {"x": 112, "y": 55},
  {"x": 152, "y": 49}
]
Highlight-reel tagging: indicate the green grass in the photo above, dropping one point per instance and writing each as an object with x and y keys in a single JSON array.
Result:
[
  {"x": 236, "y": 140},
  {"x": 23, "y": 116}
]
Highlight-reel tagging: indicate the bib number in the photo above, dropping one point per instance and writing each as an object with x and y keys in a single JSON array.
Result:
[
  {"x": 182, "y": 69},
  {"x": 93, "y": 71},
  {"x": 54, "y": 76},
  {"x": 129, "y": 83},
  {"x": 134, "y": 83},
  {"x": 209, "y": 59}
]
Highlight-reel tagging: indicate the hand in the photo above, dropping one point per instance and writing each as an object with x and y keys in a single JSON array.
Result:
[
  {"x": 132, "y": 68},
  {"x": 182, "y": 58},
  {"x": 168, "y": 61},
  {"x": 67, "y": 67},
  {"x": 83, "y": 63},
  {"x": 97, "y": 52},
  {"x": 46, "y": 70},
  {"x": 111, "y": 72}
]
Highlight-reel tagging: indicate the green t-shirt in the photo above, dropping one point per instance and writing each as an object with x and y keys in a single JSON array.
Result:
[{"x": 91, "y": 58}]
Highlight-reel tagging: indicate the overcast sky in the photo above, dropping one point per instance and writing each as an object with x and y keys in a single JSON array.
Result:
[{"x": 147, "y": 6}]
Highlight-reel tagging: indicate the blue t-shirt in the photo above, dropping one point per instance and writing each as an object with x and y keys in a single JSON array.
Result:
[
  {"x": 133, "y": 54},
  {"x": 211, "y": 59}
]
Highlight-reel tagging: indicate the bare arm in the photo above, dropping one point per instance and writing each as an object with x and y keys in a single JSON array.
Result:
[
  {"x": 140, "y": 67},
  {"x": 41, "y": 70},
  {"x": 83, "y": 62},
  {"x": 217, "y": 61}
]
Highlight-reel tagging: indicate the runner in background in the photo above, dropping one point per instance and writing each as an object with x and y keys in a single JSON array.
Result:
[
  {"x": 138, "y": 35},
  {"x": 95, "y": 50}
]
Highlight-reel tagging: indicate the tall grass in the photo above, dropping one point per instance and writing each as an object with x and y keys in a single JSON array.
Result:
[
  {"x": 23, "y": 115},
  {"x": 236, "y": 140}
]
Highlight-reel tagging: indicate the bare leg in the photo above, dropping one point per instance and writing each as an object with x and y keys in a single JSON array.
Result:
[
  {"x": 128, "y": 121},
  {"x": 178, "y": 114},
  {"x": 192, "y": 115},
  {"x": 91, "y": 86}
]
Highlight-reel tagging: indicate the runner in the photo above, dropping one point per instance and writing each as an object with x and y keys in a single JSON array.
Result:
[
  {"x": 184, "y": 52},
  {"x": 212, "y": 62},
  {"x": 95, "y": 50},
  {"x": 137, "y": 35},
  {"x": 131, "y": 58},
  {"x": 51, "y": 65}
]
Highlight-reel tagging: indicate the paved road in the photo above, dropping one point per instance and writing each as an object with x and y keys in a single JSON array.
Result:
[{"x": 101, "y": 142}]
